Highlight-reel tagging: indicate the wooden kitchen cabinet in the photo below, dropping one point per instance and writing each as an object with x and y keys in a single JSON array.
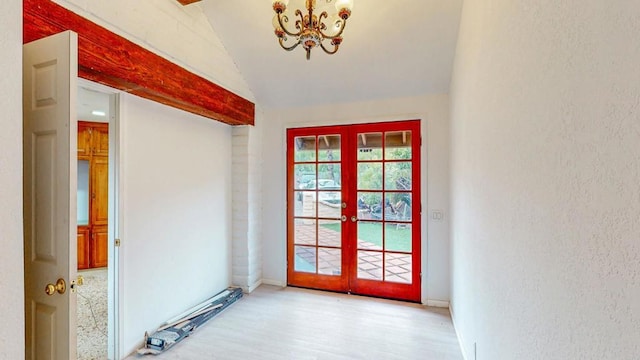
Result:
[
  {"x": 99, "y": 241},
  {"x": 84, "y": 139},
  {"x": 83, "y": 247},
  {"x": 100, "y": 190},
  {"x": 100, "y": 140},
  {"x": 93, "y": 196}
]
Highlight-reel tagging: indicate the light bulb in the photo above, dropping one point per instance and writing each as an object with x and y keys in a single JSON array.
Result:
[
  {"x": 333, "y": 23},
  {"x": 276, "y": 23},
  {"x": 285, "y": 2},
  {"x": 344, "y": 4}
]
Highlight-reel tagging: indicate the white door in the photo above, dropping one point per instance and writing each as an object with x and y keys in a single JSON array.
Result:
[{"x": 50, "y": 68}]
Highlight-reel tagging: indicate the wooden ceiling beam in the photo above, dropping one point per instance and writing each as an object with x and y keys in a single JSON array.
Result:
[
  {"x": 112, "y": 60},
  {"x": 187, "y": 2}
]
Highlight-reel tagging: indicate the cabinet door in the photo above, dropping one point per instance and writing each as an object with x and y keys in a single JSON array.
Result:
[
  {"x": 99, "y": 190},
  {"x": 84, "y": 139},
  {"x": 83, "y": 247},
  {"x": 99, "y": 249},
  {"x": 100, "y": 139}
]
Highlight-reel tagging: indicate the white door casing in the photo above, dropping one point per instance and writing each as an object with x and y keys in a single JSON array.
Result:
[{"x": 50, "y": 68}]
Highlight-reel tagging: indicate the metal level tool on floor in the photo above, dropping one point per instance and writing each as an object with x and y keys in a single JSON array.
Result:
[{"x": 181, "y": 326}]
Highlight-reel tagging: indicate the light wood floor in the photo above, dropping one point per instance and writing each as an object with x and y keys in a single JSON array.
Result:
[{"x": 291, "y": 323}]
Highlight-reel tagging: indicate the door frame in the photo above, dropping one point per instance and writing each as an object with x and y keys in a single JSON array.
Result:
[
  {"x": 114, "y": 268},
  {"x": 424, "y": 211}
]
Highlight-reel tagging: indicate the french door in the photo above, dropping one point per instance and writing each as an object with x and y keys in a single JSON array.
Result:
[{"x": 354, "y": 209}]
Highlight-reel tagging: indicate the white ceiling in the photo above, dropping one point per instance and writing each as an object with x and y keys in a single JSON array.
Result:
[
  {"x": 390, "y": 49},
  {"x": 90, "y": 101}
]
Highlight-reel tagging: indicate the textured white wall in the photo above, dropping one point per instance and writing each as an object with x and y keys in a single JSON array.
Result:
[
  {"x": 181, "y": 34},
  {"x": 433, "y": 110},
  {"x": 545, "y": 179},
  {"x": 176, "y": 203},
  {"x": 247, "y": 205},
  {"x": 11, "y": 273}
]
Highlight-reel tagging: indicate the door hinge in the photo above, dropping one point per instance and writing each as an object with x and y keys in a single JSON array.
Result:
[{"x": 117, "y": 242}]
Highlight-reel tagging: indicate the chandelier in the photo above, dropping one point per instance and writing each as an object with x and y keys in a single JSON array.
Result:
[{"x": 311, "y": 30}]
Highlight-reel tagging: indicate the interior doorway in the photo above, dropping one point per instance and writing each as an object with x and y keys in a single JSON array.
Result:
[
  {"x": 354, "y": 209},
  {"x": 97, "y": 114},
  {"x": 50, "y": 108}
]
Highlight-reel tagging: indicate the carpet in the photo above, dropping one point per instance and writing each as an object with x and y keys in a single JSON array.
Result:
[{"x": 92, "y": 315}]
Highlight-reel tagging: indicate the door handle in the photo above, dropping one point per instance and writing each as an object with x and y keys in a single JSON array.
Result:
[{"x": 60, "y": 287}]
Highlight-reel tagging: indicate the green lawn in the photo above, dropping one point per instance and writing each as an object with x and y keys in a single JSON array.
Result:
[{"x": 396, "y": 239}]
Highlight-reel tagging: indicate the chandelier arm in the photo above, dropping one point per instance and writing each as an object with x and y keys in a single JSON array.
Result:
[
  {"x": 281, "y": 41},
  {"x": 344, "y": 23},
  {"x": 300, "y": 23},
  {"x": 281, "y": 23},
  {"x": 335, "y": 49}
]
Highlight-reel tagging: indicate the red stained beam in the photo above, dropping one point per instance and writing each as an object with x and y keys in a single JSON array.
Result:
[
  {"x": 187, "y": 2},
  {"x": 112, "y": 60}
]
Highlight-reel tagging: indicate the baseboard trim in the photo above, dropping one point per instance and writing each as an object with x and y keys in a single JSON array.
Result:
[
  {"x": 458, "y": 335},
  {"x": 438, "y": 303},
  {"x": 273, "y": 282},
  {"x": 251, "y": 288}
]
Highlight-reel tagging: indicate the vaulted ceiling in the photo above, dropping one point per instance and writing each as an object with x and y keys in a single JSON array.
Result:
[{"x": 391, "y": 49}]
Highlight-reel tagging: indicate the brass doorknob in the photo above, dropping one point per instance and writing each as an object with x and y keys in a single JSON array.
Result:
[{"x": 60, "y": 287}]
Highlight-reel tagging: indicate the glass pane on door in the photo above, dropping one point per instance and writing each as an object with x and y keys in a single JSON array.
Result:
[
  {"x": 384, "y": 183},
  {"x": 317, "y": 196},
  {"x": 369, "y": 146},
  {"x": 83, "y": 192}
]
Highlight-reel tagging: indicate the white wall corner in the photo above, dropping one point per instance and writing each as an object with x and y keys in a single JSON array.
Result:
[
  {"x": 252, "y": 287},
  {"x": 458, "y": 334},
  {"x": 241, "y": 281}
]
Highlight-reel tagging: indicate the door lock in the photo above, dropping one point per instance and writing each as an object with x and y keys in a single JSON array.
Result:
[
  {"x": 354, "y": 218},
  {"x": 343, "y": 218},
  {"x": 75, "y": 283},
  {"x": 60, "y": 287}
]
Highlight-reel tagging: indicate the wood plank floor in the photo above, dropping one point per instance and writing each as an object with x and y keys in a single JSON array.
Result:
[{"x": 292, "y": 323}]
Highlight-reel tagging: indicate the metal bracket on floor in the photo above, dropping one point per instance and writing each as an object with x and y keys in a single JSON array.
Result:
[{"x": 181, "y": 326}]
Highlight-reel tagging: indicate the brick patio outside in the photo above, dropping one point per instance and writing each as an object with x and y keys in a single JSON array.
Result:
[{"x": 397, "y": 267}]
